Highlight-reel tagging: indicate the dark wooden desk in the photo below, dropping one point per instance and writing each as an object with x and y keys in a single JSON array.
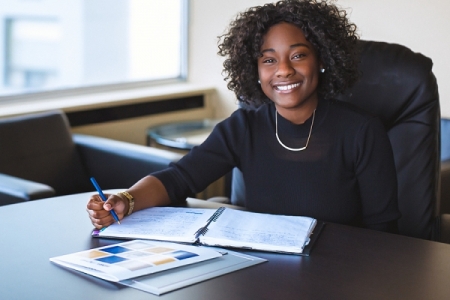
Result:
[{"x": 346, "y": 263}]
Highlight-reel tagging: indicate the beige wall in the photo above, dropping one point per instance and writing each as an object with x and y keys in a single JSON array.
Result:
[{"x": 422, "y": 25}]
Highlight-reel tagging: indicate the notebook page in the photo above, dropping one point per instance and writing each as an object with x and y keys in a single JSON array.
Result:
[
  {"x": 178, "y": 224},
  {"x": 259, "y": 231}
]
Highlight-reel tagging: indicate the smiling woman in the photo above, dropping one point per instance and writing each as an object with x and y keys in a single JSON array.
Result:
[
  {"x": 76, "y": 44},
  {"x": 301, "y": 152},
  {"x": 289, "y": 72},
  {"x": 324, "y": 26}
]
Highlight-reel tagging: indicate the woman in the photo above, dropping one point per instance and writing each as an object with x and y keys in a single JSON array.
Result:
[{"x": 300, "y": 152}]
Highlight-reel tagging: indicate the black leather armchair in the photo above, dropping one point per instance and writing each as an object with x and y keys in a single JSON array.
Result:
[
  {"x": 40, "y": 157},
  {"x": 398, "y": 85}
]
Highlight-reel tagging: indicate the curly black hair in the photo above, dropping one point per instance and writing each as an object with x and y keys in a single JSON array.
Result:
[{"x": 324, "y": 25}]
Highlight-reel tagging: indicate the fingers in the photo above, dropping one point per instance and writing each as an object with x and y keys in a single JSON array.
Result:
[
  {"x": 99, "y": 223},
  {"x": 95, "y": 203},
  {"x": 117, "y": 203},
  {"x": 99, "y": 211}
]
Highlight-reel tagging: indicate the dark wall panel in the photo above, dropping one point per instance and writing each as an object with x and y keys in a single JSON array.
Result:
[{"x": 128, "y": 111}]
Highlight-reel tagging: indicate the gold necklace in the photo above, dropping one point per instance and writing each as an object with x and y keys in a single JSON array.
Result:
[{"x": 307, "y": 141}]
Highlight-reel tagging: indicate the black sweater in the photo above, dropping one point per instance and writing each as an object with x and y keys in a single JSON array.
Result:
[{"x": 346, "y": 175}]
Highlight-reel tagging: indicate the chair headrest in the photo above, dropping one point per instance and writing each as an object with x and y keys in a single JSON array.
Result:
[{"x": 396, "y": 84}]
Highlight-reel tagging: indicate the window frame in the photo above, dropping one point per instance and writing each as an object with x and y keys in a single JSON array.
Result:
[{"x": 101, "y": 88}]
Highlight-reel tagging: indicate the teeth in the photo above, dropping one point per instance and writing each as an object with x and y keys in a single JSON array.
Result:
[{"x": 287, "y": 87}]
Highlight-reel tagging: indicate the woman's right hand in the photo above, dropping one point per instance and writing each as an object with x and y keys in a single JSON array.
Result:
[
  {"x": 99, "y": 211},
  {"x": 147, "y": 192}
]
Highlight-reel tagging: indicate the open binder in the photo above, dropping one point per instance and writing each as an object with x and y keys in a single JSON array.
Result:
[{"x": 223, "y": 227}]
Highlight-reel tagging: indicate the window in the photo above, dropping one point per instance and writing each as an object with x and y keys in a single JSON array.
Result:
[
  {"x": 58, "y": 45},
  {"x": 31, "y": 54}
]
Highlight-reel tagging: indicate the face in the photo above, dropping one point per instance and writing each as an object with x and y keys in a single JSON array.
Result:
[{"x": 289, "y": 69}]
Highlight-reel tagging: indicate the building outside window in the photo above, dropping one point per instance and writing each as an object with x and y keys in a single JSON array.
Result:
[{"x": 53, "y": 45}]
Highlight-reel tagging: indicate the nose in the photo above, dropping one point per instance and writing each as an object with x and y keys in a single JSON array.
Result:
[{"x": 285, "y": 68}]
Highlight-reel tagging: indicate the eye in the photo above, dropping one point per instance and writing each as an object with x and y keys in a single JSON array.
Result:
[
  {"x": 268, "y": 60},
  {"x": 298, "y": 56}
]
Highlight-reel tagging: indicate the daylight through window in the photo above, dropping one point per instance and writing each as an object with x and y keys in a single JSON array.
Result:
[{"x": 54, "y": 45}]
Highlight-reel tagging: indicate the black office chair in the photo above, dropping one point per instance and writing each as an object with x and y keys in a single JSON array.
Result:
[
  {"x": 40, "y": 158},
  {"x": 398, "y": 85}
]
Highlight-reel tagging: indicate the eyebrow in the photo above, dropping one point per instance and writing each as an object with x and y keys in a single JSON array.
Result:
[{"x": 291, "y": 46}]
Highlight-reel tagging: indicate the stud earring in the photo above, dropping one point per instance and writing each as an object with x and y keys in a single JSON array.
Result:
[
  {"x": 259, "y": 81},
  {"x": 322, "y": 70}
]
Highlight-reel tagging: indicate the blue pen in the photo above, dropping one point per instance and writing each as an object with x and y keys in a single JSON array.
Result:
[{"x": 100, "y": 192}]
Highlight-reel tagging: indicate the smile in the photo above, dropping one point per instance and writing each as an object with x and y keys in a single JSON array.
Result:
[{"x": 287, "y": 87}]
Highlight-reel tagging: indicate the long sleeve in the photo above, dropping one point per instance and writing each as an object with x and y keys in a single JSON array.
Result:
[
  {"x": 376, "y": 175},
  {"x": 346, "y": 175}
]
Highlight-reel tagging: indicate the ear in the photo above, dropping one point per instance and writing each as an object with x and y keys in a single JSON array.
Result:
[{"x": 321, "y": 65}]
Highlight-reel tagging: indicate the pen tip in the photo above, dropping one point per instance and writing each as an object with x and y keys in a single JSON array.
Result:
[{"x": 118, "y": 222}]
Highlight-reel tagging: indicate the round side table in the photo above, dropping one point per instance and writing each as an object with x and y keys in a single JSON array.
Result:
[{"x": 182, "y": 137}]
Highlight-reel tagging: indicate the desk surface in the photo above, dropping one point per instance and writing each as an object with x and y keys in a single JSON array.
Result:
[{"x": 345, "y": 263}]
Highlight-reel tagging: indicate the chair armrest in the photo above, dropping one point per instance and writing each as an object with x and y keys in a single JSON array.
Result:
[
  {"x": 219, "y": 199},
  {"x": 15, "y": 190},
  {"x": 117, "y": 164},
  {"x": 199, "y": 203},
  {"x": 443, "y": 224},
  {"x": 444, "y": 205}
]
